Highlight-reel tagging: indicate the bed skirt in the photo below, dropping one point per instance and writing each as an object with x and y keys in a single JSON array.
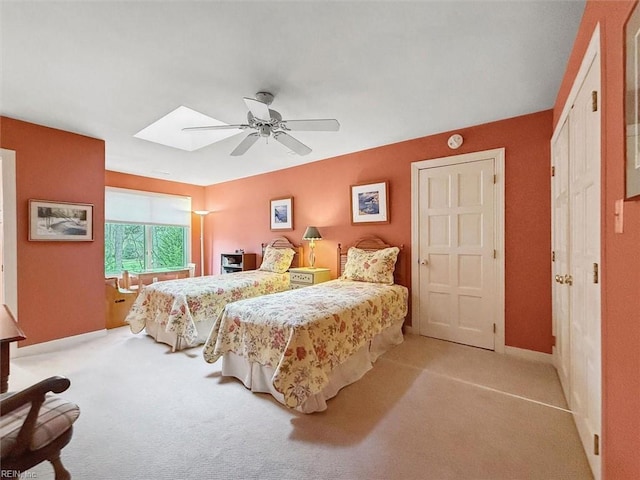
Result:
[
  {"x": 176, "y": 342},
  {"x": 257, "y": 378}
]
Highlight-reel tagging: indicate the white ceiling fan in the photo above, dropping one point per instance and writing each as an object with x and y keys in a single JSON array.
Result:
[{"x": 267, "y": 123}]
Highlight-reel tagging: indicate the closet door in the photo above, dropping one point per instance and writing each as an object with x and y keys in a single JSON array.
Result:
[
  {"x": 584, "y": 276},
  {"x": 560, "y": 258},
  {"x": 576, "y": 263}
]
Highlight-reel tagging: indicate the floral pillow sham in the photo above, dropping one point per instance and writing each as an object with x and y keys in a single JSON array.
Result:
[
  {"x": 371, "y": 266},
  {"x": 277, "y": 260}
]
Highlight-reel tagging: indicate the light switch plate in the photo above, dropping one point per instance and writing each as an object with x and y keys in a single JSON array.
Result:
[{"x": 618, "y": 211}]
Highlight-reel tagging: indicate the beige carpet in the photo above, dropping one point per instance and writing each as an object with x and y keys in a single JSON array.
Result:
[{"x": 428, "y": 410}]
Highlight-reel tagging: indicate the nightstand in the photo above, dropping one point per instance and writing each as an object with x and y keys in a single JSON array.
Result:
[{"x": 307, "y": 276}]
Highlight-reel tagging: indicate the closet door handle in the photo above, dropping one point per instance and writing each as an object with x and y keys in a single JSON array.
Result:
[{"x": 559, "y": 279}]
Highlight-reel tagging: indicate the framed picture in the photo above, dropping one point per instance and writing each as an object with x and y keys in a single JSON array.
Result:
[
  {"x": 632, "y": 104},
  {"x": 60, "y": 221},
  {"x": 369, "y": 203},
  {"x": 281, "y": 213}
]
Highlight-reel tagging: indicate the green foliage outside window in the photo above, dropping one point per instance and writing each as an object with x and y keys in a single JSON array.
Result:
[
  {"x": 168, "y": 247},
  {"x": 127, "y": 246}
]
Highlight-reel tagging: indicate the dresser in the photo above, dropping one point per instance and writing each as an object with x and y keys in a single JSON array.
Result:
[{"x": 306, "y": 276}]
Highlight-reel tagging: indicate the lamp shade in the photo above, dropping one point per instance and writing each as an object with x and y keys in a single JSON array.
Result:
[{"x": 312, "y": 233}]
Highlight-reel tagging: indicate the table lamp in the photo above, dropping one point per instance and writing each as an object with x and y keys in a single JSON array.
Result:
[{"x": 312, "y": 234}]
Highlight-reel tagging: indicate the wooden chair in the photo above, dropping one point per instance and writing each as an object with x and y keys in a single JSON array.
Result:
[
  {"x": 35, "y": 426},
  {"x": 118, "y": 302}
]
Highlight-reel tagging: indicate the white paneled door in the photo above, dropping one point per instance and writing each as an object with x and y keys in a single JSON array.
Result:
[
  {"x": 456, "y": 258},
  {"x": 560, "y": 264},
  {"x": 8, "y": 235},
  {"x": 584, "y": 205},
  {"x": 576, "y": 263}
]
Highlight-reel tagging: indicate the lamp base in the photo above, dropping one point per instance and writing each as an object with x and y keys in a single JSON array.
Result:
[{"x": 312, "y": 257}]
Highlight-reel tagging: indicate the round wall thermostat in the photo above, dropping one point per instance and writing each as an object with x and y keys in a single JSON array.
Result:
[{"x": 454, "y": 141}]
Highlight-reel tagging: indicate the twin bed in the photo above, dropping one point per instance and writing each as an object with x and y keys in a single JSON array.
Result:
[
  {"x": 301, "y": 346},
  {"x": 181, "y": 312}
]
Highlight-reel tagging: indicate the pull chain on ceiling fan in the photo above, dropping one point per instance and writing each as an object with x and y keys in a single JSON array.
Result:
[{"x": 269, "y": 123}]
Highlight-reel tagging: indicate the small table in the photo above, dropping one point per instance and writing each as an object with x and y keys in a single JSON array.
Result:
[
  {"x": 9, "y": 332},
  {"x": 306, "y": 276}
]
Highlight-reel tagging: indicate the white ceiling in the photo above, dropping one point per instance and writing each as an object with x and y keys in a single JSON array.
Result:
[{"x": 387, "y": 70}]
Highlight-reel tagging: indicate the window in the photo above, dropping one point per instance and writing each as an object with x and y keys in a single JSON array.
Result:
[{"x": 145, "y": 231}]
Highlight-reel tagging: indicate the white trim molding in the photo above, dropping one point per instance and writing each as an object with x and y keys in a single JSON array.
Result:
[
  {"x": 529, "y": 355},
  {"x": 59, "y": 344}
]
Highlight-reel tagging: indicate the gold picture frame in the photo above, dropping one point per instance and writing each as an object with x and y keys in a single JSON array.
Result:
[{"x": 281, "y": 214}]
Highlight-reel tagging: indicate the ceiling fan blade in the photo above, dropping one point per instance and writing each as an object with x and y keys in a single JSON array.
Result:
[
  {"x": 258, "y": 109},
  {"x": 214, "y": 127},
  {"x": 291, "y": 143},
  {"x": 324, "y": 125},
  {"x": 245, "y": 144}
]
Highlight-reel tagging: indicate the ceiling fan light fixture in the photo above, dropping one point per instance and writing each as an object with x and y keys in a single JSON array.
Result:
[
  {"x": 267, "y": 123},
  {"x": 264, "y": 97}
]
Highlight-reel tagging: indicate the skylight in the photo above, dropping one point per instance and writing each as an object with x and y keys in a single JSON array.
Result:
[{"x": 168, "y": 130}]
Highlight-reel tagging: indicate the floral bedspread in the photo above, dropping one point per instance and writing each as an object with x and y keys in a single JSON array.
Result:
[
  {"x": 178, "y": 305},
  {"x": 304, "y": 333}
]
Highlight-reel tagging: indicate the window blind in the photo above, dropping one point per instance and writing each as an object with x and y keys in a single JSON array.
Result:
[{"x": 134, "y": 206}]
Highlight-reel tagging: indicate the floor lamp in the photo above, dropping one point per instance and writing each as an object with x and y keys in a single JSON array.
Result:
[{"x": 202, "y": 214}]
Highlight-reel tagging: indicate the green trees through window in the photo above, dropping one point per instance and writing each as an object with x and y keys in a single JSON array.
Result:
[{"x": 138, "y": 247}]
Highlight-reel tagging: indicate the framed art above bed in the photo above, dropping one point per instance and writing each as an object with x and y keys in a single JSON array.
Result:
[
  {"x": 281, "y": 214},
  {"x": 369, "y": 203}
]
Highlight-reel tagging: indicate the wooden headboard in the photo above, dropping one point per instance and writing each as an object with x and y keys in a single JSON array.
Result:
[
  {"x": 372, "y": 243},
  {"x": 283, "y": 242}
]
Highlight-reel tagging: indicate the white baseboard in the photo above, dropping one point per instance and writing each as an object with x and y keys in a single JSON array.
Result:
[
  {"x": 516, "y": 352},
  {"x": 529, "y": 354},
  {"x": 54, "y": 345}
]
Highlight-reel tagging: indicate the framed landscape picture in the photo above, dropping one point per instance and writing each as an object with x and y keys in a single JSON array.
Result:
[
  {"x": 60, "y": 221},
  {"x": 369, "y": 203},
  {"x": 281, "y": 213},
  {"x": 632, "y": 104}
]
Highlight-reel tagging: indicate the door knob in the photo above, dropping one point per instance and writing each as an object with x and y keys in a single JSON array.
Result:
[
  {"x": 568, "y": 279},
  {"x": 423, "y": 262},
  {"x": 559, "y": 279}
]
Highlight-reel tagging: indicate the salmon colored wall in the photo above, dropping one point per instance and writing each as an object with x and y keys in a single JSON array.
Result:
[
  {"x": 135, "y": 182},
  {"x": 620, "y": 259},
  {"x": 321, "y": 192},
  {"x": 60, "y": 284}
]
